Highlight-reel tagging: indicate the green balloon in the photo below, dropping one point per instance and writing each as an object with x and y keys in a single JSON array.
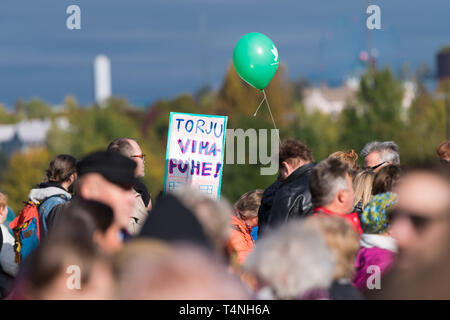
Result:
[{"x": 255, "y": 59}]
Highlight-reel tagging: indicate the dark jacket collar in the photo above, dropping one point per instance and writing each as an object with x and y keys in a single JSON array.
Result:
[
  {"x": 298, "y": 172},
  {"x": 140, "y": 188},
  {"x": 44, "y": 185}
]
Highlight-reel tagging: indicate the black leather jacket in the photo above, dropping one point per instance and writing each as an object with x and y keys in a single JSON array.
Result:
[{"x": 286, "y": 199}]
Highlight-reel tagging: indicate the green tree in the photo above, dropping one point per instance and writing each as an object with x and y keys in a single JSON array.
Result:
[
  {"x": 377, "y": 113},
  {"x": 34, "y": 109},
  {"x": 318, "y": 130},
  {"x": 7, "y": 117},
  {"x": 236, "y": 97},
  {"x": 92, "y": 129},
  {"x": 240, "y": 178},
  {"x": 425, "y": 128},
  {"x": 24, "y": 171}
]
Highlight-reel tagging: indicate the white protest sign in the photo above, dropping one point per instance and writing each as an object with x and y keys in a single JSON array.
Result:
[{"x": 195, "y": 152}]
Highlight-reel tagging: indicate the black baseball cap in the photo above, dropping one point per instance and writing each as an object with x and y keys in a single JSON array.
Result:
[
  {"x": 113, "y": 166},
  {"x": 159, "y": 224}
]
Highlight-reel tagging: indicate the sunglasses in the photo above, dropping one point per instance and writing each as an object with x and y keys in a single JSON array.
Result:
[
  {"x": 142, "y": 156},
  {"x": 418, "y": 221},
  {"x": 377, "y": 166}
]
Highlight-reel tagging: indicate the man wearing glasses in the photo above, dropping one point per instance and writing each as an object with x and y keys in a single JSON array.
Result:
[
  {"x": 420, "y": 224},
  {"x": 379, "y": 154},
  {"x": 130, "y": 148}
]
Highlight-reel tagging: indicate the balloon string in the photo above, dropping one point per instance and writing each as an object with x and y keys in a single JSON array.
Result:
[
  {"x": 274, "y": 125},
  {"x": 260, "y": 104}
]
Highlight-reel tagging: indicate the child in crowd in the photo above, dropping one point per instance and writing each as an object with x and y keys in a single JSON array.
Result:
[{"x": 378, "y": 248}]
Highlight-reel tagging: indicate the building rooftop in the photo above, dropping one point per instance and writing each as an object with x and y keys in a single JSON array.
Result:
[{"x": 30, "y": 132}]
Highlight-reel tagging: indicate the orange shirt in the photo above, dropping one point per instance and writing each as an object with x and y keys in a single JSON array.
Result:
[{"x": 240, "y": 239}]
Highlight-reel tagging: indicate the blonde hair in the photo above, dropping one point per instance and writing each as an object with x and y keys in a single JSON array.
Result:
[
  {"x": 341, "y": 239},
  {"x": 350, "y": 157},
  {"x": 362, "y": 184},
  {"x": 3, "y": 201}
]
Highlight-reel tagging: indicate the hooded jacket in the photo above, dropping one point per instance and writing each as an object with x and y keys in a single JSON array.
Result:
[
  {"x": 240, "y": 239},
  {"x": 48, "y": 195},
  {"x": 376, "y": 250}
]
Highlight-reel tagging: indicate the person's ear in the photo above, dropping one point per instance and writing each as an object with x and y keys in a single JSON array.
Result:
[
  {"x": 284, "y": 168},
  {"x": 3, "y": 214},
  {"x": 97, "y": 238},
  {"x": 342, "y": 196},
  {"x": 149, "y": 206}
]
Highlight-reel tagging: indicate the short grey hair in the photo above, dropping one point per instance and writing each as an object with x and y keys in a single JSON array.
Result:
[
  {"x": 326, "y": 179},
  {"x": 388, "y": 151},
  {"x": 292, "y": 260},
  {"x": 122, "y": 146}
]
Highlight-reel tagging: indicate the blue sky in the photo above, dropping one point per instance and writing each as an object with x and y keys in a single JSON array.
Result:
[{"x": 161, "y": 48}]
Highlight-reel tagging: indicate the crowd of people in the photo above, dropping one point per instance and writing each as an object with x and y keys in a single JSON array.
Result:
[{"x": 326, "y": 230}]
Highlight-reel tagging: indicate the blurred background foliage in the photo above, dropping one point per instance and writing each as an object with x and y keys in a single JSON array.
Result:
[{"x": 376, "y": 114}]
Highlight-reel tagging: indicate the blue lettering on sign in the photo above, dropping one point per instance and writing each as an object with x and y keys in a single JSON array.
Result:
[
  {"x": 201, "y": 126},
  {"x": 189, "y": 124},
  {"x": 197, "y": 168},
  {"x": 183, "y": 148},
  {"x": 204, "y": 147},
  {"x": 198, "y": 127},
  {"x": 179, "y": 122},
  {"x": 206, "y": 188},
  {"x": 172, "y": 165},
  {"x": 221, "y": 130},
  {"x": 206, "y": 169},
  {"x": 181, "y": 168}
]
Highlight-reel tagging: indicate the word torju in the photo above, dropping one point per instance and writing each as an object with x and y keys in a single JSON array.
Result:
[
  {"x": 196, "y": 167},
  {"x": 200, "y": 126}
]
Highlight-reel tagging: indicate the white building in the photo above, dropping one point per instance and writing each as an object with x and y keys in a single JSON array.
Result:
[
  {"x": 333, "y": 100},
  {"x": 102, "y": 79},
  {"x": 25, "y": 134},
  {"x": 329, "y": 100},
  {"x": 409, "y": 93}
]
